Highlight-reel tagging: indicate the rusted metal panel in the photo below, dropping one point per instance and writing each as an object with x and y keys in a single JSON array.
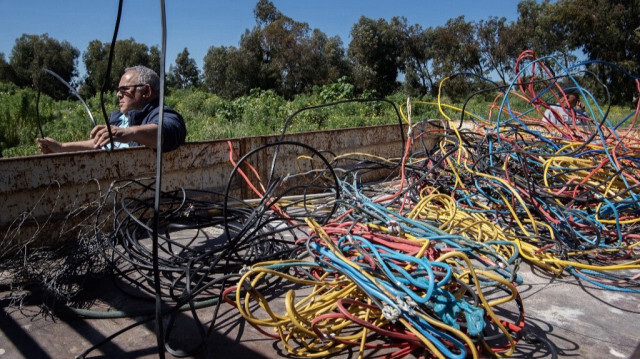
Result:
[{"x": 47, "y": 187}]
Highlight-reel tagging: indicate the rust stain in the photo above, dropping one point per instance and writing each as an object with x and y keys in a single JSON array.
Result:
[{"x": 49, "y": 185}]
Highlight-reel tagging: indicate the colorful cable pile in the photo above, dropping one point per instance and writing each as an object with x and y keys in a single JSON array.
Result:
[
  {"x": 423, "y": 264},
  {"x": 424, "y": 297},
  {"x": 566, "y": 193}
]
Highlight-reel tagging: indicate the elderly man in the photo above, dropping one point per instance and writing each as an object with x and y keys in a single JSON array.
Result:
[
  {"x": 136, "y": 123},
  {"x": 569, "y": 109}
]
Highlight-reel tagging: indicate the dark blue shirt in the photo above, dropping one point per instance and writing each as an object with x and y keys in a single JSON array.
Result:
[{"x": 174, "y": 131}]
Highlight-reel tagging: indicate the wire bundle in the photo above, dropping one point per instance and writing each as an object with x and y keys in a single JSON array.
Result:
[
  {"x": 374, "y": 298},
  {"x": 566, "y": 195},
  {"x": 419, "y": 264},
  {"x": 410, "y": 280}
]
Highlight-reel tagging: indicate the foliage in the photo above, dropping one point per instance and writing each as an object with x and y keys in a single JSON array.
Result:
[
  {"x": 337, "y": 91},
  {"x": 185, "y": 74},
  {"x": 209, "y": 116},
  {"x": 6, "y": 71},
  {"x": 607, "y": 31},
  {"x": 227, "y": 72},
  {"x": 278, "y": 54},
  {"x": 127, "y": 53},
  {"x": 15, "y": 114},
  {"x": 19, "y": 125},
  {"x": 31, "y": 53},
  {"x": 375, "y": 50},
  {"x": 64, "y": 120},
  {"x": 265, "y": 12},
  {"x": 499, "y": 45},
  {"x": 539, "y": 29},
  {"x": 417, "y": 61}
]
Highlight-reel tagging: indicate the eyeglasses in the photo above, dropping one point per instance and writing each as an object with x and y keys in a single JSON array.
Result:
[{"x": 124, "y": 89}]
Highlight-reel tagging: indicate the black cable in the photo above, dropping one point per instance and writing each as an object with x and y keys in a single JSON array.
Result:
[
  {"x": 107, "y": 77},
  {"x": 38, "y": 105},
  {"x": 269, "y": 197},
  {"x": 156, "y": 209}
]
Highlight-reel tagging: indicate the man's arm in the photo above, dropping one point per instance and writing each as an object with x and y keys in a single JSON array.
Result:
[
  {"x": 49, "y": 145},
  {"x": 145, "y": 135},
  {"x": 174, "y": 131}
]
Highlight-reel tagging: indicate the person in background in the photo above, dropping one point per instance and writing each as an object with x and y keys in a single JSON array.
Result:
[
  {"x": 570, "y": 108},
  {"x": 136, "y": 123}
]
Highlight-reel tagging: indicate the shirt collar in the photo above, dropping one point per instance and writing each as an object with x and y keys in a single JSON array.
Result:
[{"x": 136, "y": 116}]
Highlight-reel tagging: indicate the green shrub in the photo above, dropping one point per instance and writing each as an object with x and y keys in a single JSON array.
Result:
[
  {"x": 210, "y": 117},
  {"x": 18, "y": 124}
]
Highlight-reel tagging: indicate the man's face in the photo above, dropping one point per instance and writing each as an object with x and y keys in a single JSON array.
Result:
[
  {"x": 572, "y": 99},
  {"x": 131, "y": 94}
]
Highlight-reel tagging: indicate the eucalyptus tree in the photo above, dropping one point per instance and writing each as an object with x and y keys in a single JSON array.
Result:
[
  {"x": 278, "y": 53},
  {"x": 127, "y": 53},
  {"x": 185, "y": 73},
  {"x": 33, "y": 52},
  {"x": 376, "y": 50},
  {"x": 227, "y": 72},
  {"x": 606, "y": 31},
  {"x": 6, "y": 71},
  {"x": 456, "y": 50},
  {"x": 417, "y": 60},
  {"x": 500, "y": 45}
]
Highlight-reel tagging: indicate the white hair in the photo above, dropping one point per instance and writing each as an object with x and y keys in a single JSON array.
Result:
[{"x": 146, "y": 76}]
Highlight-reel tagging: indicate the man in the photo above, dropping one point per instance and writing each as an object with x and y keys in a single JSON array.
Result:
[
  {"x": 566, "y": 112},
  {"x": 136, "y": 123}
]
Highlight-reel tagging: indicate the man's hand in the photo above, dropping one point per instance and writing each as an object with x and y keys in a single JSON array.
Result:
[
  {"x": 49, "y": 145},
  {"x": 144, "y": 134},
  {"x": 100, "y": 135}
]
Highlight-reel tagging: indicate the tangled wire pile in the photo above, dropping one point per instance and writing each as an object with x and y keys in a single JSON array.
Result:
[
  {"x": 409, "y": 268},
  {"x": 566, "y": 193},
  {"x": 424, "y": 263}
]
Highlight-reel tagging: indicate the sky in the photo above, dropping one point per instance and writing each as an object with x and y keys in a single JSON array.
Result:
[{"x": 199, "y": 25}]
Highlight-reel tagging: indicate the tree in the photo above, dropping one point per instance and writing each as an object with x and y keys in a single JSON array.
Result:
[
  {"x": 605, "y": 30},
  {"x": 279, "y": 53},
  {"x": 542, "y": 30},
  {"x": 33, "y": 52},
  {"x": 325, "y": 61},
  {"x": 265, "y": 13},
  {"x": 6, "y": 71},
  {"x": 499, "y": 45},
  {"x": 154, "y": 59},
  {"x": 455, "y": 50},
  {"x": 185, "y": 74},
  {"x": 228, "y": 73},
  {"x": 284, "y": 42},
  {"x": 375, "y": 50},
  {"x": 215, "y": 69},
  {"x": 127, "y": 53},
  {"x": 417, "y": 60}
]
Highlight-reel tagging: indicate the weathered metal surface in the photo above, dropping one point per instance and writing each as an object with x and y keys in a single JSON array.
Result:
[{"x": 45, "y": 188}]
